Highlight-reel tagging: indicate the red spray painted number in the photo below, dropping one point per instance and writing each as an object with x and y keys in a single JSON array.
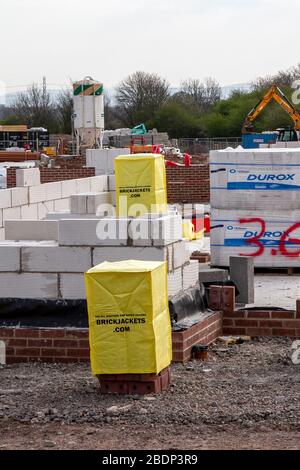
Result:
[
  {"x": 256, "y": 240},
  {"x": 285, "y": 238},
  {"x": 294, "y": 241}
]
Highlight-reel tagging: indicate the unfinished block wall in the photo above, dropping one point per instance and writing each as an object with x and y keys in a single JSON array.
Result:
[
  {"x": 49, "y": 175},
  {"x": 54, "y": 269},
  {"x": 32, "y": 201}
]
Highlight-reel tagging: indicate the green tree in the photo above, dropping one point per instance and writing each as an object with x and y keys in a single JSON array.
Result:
[
  {"x": 174, "y": 119},
  {"x": 227, "y": 117}
]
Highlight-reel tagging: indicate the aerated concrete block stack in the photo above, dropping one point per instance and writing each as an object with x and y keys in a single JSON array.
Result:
[
  {"x": 31, "y": 200},
  {"x": 46, "y": 259},
  {"x": 255, "y": 206},
  {"x": 103, "y": 159},
  {"x": 82, "y": 243}
]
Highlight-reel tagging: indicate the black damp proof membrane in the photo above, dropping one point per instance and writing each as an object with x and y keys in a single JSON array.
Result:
[{"x": 43, "y": 313}]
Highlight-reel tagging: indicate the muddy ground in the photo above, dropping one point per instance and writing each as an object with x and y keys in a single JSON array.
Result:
[{"x": 244, "y": 397}]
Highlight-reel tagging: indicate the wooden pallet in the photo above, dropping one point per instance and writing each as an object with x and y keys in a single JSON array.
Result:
[
  {"x": 271, "y": 271},
  {"x": 278, "y": 271}
]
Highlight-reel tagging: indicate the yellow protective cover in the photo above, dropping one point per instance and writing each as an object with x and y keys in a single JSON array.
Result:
[
  {"x": 141, "y": 179},
  {"x": 129, "y": 320},
  {"x": 188, "y": 230}
]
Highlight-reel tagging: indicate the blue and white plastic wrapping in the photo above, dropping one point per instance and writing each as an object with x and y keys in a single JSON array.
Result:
[
  {"x": 230, "y": 237},
  {"x": 255, "y": 179},
  {"x": 255, "y": 184}
]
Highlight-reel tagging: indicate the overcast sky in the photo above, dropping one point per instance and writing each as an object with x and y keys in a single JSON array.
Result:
[{"x": 233, "y": 41}]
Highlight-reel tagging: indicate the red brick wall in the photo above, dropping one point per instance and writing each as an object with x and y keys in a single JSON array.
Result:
[
  {"x": 188, "y": 185},
  {"x": 262, "y": 323},
  {"x": 71, "y": 345},
  {"x": 49, "y": 175},
  {"x": 11, "y": 177},
  {"x": 203, "y": 333},
  {"x": 253, "y": 322},
  {"x": 45, "y": 345},
  {"x": 60, "y": 345}
]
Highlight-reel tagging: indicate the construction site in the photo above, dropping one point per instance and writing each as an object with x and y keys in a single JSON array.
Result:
[{"x": 149, "y": 289}]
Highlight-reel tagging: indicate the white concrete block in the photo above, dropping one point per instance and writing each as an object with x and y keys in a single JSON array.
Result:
[
  {"x": 78, "y": 204},
  {"x": 56, "y": 259},
  {"x": 175, "y": 285},
  {"x": 2, "y": 234},
  {"x": 31, "y": 230},
  {"x": 140, "y": 231},
  {"x": 5, "y": 198},
  {"x": 44, "y": 208},
  {"x": 1, "y": 218},
  {"x": 166, "y": 230},
  {"x": 190, "y": 275},
  {"x": 83, "y": 185},
  {"x": 25, "y": 243},
  {"x": 113, "y": 198},
  {"x": 19, "y": 196},
  {"x": 62, "y": 204},
  {"x": 93, "y": 232},
  {"x": 37, "y": 194},
  {"x": 72, "y": 286},
  {"x": 29, "y": 212},
  {"x": 181, "y": 254},
  {"x": 125, "y": 253},
  {"x": 28, "y": 177},
  {"x": 96, "y": 203},
  {"x": 169, "y": 249},
  {"x": 53, "y": 191},
  {"x": 68, "y": 188},
  {"x": 113, "y": 231},
  {"x": 41, "y": 210},
  {"x": 103, "y": 159},
  {"x": 28, "y": 286},
  {"x": 68, "y": 215},
  {"x": 111, "y": 182},
  {"x": 99, "y": 183},
  {"x": 10, "y": 258},
  {"x": 13, "y": 213}
]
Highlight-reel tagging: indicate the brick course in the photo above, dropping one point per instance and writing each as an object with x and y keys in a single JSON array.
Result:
[
  {"x": 69, "y": 345},
  {"x": 251, "y": 322},
  {"x": 189, "y": 184},
  {"x": 50, "y": 175},
  {"x": 72, "y": 345}
]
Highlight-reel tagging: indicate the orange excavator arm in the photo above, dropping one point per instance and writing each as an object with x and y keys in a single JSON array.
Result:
[{"x": 276, "y": 94}]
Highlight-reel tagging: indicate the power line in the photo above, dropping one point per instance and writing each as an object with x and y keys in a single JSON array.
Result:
[{"x": 30, "y": 84}]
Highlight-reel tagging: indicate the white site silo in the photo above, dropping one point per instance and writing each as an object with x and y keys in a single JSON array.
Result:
[{"x": 88, "y": 112}]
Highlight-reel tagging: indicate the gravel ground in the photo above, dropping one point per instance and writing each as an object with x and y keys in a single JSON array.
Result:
[
  {"x": 276, "y": 291},
  {"x": 240, "y": 394}
]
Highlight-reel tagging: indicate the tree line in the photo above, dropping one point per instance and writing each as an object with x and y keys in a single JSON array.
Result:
[{"x": 196, "y": 109}]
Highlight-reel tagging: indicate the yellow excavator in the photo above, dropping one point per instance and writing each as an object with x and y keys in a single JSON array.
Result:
[{"x": 284, "y": 135}]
